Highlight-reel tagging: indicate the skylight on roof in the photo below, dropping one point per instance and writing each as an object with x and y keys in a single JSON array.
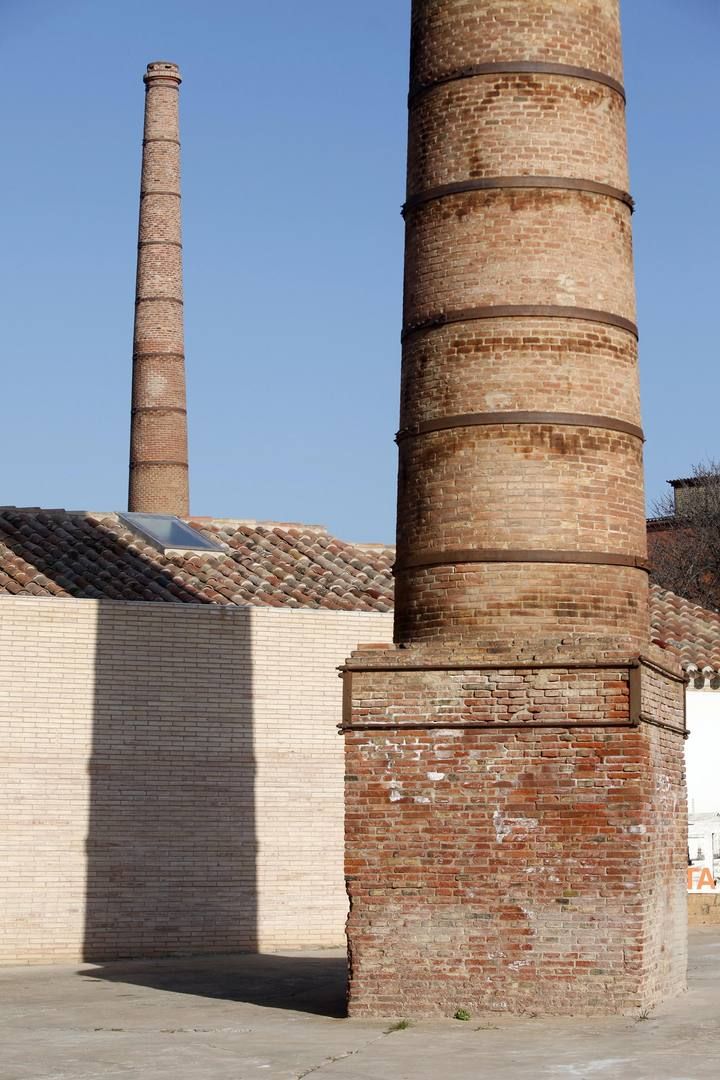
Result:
[{"x": 169, "y": 533}]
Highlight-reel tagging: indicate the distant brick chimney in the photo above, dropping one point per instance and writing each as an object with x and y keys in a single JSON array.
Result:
[{"x": 158, "y": 438}]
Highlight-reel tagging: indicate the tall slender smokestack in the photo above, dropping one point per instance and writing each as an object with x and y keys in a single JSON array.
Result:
[
  {"x": 520, "y": 502},
  {"x": 515, "y": 824},
  {"x": 158, "y": 437}
]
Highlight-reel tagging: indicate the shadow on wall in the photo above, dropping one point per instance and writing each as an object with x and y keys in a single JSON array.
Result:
[
  {"x": 171, "y": 841},
  {"x": 171, "y": 849}
]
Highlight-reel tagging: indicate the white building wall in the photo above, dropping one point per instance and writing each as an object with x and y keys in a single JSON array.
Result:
[{"x": 702, "y": 750}]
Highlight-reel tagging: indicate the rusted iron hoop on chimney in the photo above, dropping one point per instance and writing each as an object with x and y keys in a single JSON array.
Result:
[
  {"x": 517, "y": 67},
  {"x": 159, "y": 408},
  {"x": 512, "y": 311},
  {"x": 514, "y": 555},
  {"x": 160, "y": 138},
  {"x": 485, "y": 419},
  {"x": 166, "y": 299},
  {"x": 491, "y": 183}
]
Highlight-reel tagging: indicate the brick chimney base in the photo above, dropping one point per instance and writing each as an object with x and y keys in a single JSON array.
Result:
[{"x": 515, "y": 831}]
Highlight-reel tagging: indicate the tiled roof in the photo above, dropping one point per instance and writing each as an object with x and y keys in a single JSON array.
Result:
[
  {"x": 97, "y": 556},
  {"x": 692, "y": 631}
]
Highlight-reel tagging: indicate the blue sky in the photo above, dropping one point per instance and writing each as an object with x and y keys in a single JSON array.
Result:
[{"x": 293, "y": 129}]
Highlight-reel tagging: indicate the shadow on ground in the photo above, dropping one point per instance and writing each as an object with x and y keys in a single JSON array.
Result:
[{"x": 312, "y": 984}]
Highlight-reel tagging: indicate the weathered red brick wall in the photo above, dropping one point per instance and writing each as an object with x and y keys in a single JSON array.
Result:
[
  {"x": 514, "y": 841},
  {"x": 158, "y": 440}
]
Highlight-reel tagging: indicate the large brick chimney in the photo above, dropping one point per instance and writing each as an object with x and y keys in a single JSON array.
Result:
[
  {"x": 158, "y": 438},
  {"x": 515, "y": 796}
]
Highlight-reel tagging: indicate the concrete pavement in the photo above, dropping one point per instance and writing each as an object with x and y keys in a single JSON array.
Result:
[{"x": 280, "y": 1018}]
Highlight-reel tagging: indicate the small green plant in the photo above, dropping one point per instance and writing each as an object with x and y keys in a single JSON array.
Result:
[
  {"x": 644, "y": 1014},
  {"x": 462, "y": 1014},
  {"x": 399, "y": 1026}
]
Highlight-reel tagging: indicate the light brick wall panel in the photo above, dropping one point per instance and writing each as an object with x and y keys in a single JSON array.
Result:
[{"x": 172, "y": 777}]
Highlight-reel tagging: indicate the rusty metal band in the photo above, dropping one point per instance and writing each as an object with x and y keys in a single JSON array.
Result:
[
  {"x": 175, "y": 193},
  {"x": 160, "y": 138},
  {"x": 517, "y": 311},
  {"x": 491, "y": 725},
  {"x": 166, "y": 299},
  {"x": 485, "y": 419},
  {"x": 515, "y": 555},
  {"x": 492, "y": 183},
  {"x": 494, "y": 725},
  {"x": 152, "y": 464},
  {"x": 172, "y": 243},
  {"x": 159, "y": 408},
  {"x": 517, "y": 67}
]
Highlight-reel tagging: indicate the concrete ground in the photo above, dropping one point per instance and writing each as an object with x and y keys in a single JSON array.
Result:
[{"x": 279, "y": 1018}]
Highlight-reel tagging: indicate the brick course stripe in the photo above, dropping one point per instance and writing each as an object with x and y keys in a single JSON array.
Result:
[
  {"x": 447, "y": 423},
  {"x": 158, "y": 356},
  {"x": 153, "y": 464},
  {"x": 492, "y": 183},
  {"x": 517, "y": 67},
  {"x": 515, "y": 555},
  {"x": 513, "y": 311}
]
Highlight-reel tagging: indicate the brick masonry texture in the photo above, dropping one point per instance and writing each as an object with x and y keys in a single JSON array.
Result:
[
  {"x": 172, "y": 777},
  {"x": 63, "y": 700},
  {"x": 578, "y": 130},
  {"x": 515, "y": 802},
  {"x": 158, "y": 439},
  {"x": 524, "y": 247},
  {"x": 536, "y": 868},
  {"x": 449, "y": 35},
  {"x": 95, "y": 556},
  {"x": 703, "y": 910},
  {"x": 501, "y": 364}
]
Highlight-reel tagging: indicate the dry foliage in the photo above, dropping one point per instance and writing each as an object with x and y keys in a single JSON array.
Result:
[{"x": 685, "y": 553}]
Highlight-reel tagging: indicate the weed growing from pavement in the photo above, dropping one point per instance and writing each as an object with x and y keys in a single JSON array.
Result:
[{"x": 399, "y": 1026}]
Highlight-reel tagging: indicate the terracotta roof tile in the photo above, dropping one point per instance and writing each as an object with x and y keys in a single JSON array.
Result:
[
  {"x": 690, "y": 630},
  {"x": 96, "y": 555}
]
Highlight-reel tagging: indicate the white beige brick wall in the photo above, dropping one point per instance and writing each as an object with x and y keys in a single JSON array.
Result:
[{"x": 171, "y": 777}]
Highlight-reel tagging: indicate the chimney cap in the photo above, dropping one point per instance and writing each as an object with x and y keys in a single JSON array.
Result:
[{"x": 162, "y": 69}]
